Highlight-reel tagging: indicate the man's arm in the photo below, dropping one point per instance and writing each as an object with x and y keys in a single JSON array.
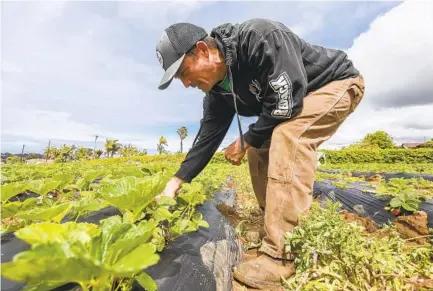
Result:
[
  {"x": 277, "y": 56},
  {"x": 217, "y": 117}
]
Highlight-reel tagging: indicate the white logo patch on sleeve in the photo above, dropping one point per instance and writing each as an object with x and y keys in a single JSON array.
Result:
[
  {"x": 255, "y": 89},
  {"x": 283, "y": 87}
]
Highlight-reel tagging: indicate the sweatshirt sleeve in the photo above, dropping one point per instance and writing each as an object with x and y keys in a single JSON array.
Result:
[
  {"x": 217, "y": 118},
  {"x": 277, "y": 56}
]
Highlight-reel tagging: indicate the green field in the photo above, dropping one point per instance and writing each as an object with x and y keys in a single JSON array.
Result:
[{"x": 332, "y": 253}]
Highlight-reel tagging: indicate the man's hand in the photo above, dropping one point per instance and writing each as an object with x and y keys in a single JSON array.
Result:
[
  {"x": 171, "y": 188},
  {"x": 234, "y": 153}
]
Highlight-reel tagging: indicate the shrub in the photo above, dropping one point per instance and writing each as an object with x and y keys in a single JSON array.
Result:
[
  {"x": 380, "y": 156},
  {"x": 13, "y": 160}
]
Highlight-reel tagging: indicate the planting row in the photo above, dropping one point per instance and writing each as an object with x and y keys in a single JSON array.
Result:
[{"x": 112, "y": 254}]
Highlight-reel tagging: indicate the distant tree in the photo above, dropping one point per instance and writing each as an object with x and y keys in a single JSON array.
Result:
[
  {"x": 65, "y": 153},
  {"x": 128, "y": 151},
  {"x": 376, "y": 140},
  {"x": 33, "y": 156},
  {"x": 160, "y": 146},
  {"x": 112, "y": 147},
  {"x": 83, "y": 153},
  {"x": 98, "y": 154},
  {"x": 183, "y": 133},
  {"x": 380, "y": 139},
  {"x": 52, "y": 152}
]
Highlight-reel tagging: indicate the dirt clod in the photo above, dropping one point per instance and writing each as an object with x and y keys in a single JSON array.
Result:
[
  {"x": 413, "y": 226},
  {"x": 230, "y": 213},
  {"x": 252, "y": 236},
  {"x": 366, "y": 222},
  {"x": 425, "y": 283},
  {"x": 374, "y": 178}
]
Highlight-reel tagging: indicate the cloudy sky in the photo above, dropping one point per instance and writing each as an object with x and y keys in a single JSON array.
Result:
[{"x": 73, "y": 70}]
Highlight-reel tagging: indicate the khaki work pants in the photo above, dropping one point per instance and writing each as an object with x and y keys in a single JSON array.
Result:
[{"x": 283, "y": 170}]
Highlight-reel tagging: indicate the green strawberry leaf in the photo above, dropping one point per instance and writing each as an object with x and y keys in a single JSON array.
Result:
[
  {"x": 146, "y": 282},
  {"x": 140, "y": 258},
  {"x": 12, "y": 189}
]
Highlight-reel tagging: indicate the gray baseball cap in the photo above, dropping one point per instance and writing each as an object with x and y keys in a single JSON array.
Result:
[{"x": 175, "y": 42}]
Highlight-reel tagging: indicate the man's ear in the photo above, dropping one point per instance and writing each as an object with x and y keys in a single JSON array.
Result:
[{"x": 202, "y": 48}]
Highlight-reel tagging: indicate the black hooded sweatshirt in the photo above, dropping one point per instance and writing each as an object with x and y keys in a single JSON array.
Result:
[{"x": 271, "y": 70}]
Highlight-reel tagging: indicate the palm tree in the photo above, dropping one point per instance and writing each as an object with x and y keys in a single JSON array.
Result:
[
  {"x": 129, "y": 151},
  {"x": 183, "y": 133},
  {"x": 57, "y": 153},
  {"x": 66, "y": 153},
  {"x": 160, "y": 146},
  {"x": 111, "y": 147},
  {"x": 98, "y": 154},
  {"x": 51, "y": 152},
  {"x": 83, "y": 153}
]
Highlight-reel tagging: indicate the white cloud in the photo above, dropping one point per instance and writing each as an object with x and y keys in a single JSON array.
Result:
[
  {"x": 406, "y": 124},
  {"x": 157, "y": 14},
  {"x": 35, "y": 128},
  {"x": 69, "y": 79},
  {"x": 310, "y": 17},
  {"x": 43, "y": 125},
  {"x": 395, "y": 58},
  {"x": 395, "y": 55}
]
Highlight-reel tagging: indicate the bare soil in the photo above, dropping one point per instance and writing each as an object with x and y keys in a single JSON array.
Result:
[
  {"x": 413, "y": 227},
  {"x": 366, "y": 222},
  {"x": 425, "y": 283},
  {"x": 248, "y": 227},
  {"x": 375, "y": 178},
  {"x": 247, "y": 219}
]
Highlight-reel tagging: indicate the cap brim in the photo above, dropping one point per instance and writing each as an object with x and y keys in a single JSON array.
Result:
[{"x": 169, "y": 73}]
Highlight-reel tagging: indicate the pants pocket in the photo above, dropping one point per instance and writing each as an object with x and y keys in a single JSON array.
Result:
[{"x": 356, "y": 92}]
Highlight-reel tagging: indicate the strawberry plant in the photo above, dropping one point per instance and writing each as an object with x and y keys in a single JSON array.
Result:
[
  {"x": 403, "y": 201},
  {"x": 132, "y": 195},
  {"x": 111, "y": 256},
  {"x": 183, "y": 219},
  {"x": 97, "y": 258}
]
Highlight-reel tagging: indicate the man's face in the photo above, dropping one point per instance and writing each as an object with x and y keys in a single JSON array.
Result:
[{"x": 198, "y": 70}]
